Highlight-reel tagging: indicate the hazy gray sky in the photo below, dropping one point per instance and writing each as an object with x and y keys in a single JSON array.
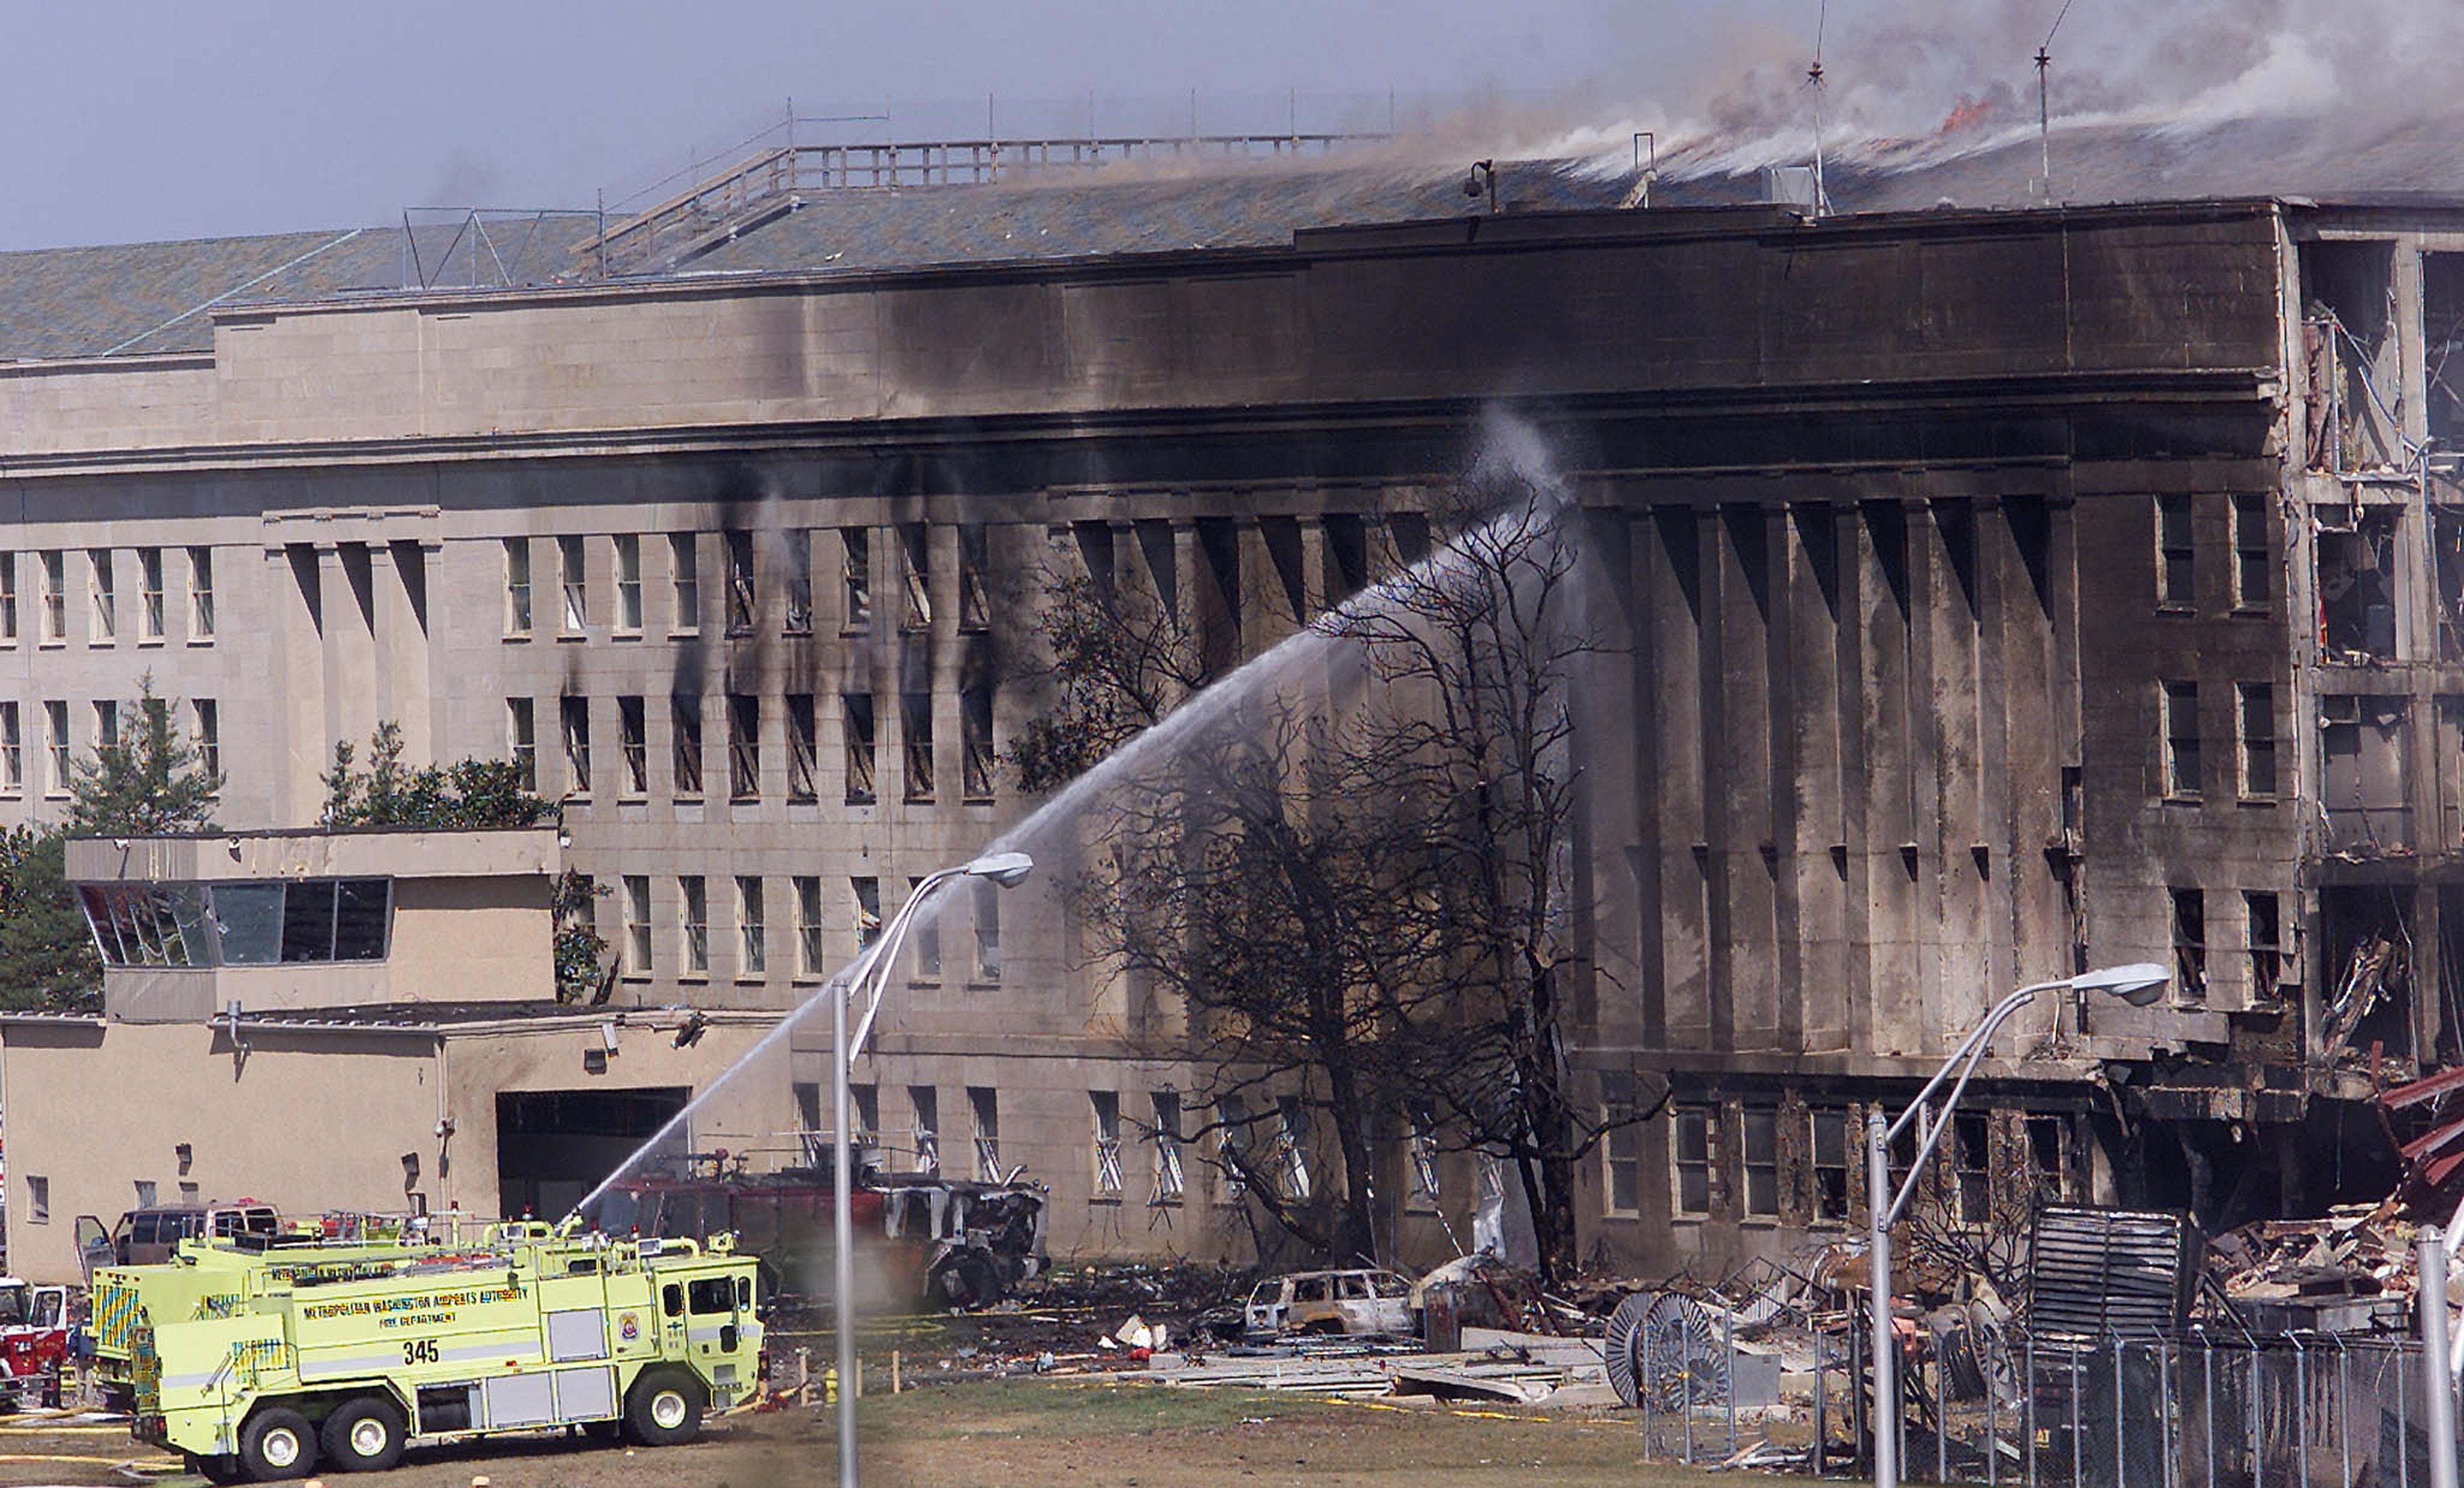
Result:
[{"x": 147, "y": 121}]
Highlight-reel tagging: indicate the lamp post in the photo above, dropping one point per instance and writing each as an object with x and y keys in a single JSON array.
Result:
[
  {"x": 2139, "y": 985},
  {"x": 1007, "y": 871}
]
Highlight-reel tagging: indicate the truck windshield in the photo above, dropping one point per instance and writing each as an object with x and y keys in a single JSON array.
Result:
[{"x": 712, "y": 1294}]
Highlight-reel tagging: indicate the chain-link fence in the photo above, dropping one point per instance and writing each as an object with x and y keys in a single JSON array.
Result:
[{"x": 1991, "y": 1405}]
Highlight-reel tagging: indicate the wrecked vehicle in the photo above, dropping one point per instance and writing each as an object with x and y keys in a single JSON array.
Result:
[
  {"x": 945, "y": 1242},
  {"x": 1356, "y": 1303}
]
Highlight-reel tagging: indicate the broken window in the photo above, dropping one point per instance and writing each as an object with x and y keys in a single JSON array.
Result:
[
  {"x": 1828, "y": 1145},
  {"x": 692, "y": 894},
  {"x": 811, "y": 954},
  {"x": 804, "y": 770},
  {"x": 684, "y": 721},
  {"x": 974, "y": 566},
  {"x": 857, "y": 712},
  {"x": 1106, "y": 1109},
  {"x": 916, "y": 573},
  {"x": 1760, "y": 1129},
  {"x": 2189, "y": 917},
  {"x": 634, "y": 743},
  {"x": 1420, "y": 1154},
  {"x": 1292, "y": 1147},
  {"x": 2181, "y": 742},
  {"x": 2266, "y": 924},
  {"x": 2253, "y": 582},
  {"x": 2354, "y": 413},
  {"x": 628, "y": 582},
  {"x": 752, "y": 950},
  {"x": 572, "y": 585},
  {"x": 743, "y": 604},
  {"x": 924, "y": 1127},
  {"x": 1169, "y": 1181},
  {"x": 517, "y": 586},
  {"x": 2362, "y": 775},
  {"x": 149, "y": 594},
  {"x": 988, "y": 960},
  {"x": 574, "y": 715},
  {"x": 1693, "y": 1150},
  {"x": 743, "y": 747},
  {"x": 2254, "y": 704},
  {"x": 2369, "y": 999},
  {"x": 975, "y": 733},
  {"x": 2176, "y": 553},
  {"x": 684, "y": 575},
  {"x": 799, "y": 566},
  {"x": 1231, "y": 1148},
  {"x": 1971, "y": 1165},
  {"x": 522, "y": 736},
  {"x": 1620, "y": 1143},
  {"x": 924, "y": 933},
  {"x": 866, "y": 892},
  {"x": 2356, "y": 583},
  {"x": 2442, "y": 313},
  {"x": 855, "y": 576},
  {"x": 915, "y": 732},
  {"x": 2048, "y": 1157},
  {"x": 2446, "y": 559},
  {"x": 983, "y": 1105}
]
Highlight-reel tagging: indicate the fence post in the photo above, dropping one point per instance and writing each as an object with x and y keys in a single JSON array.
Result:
[
  {"x": 1993, "y": 1425},
  {"x": 2166, "y": 1441},
  {"x": 1728, "y": 1343},
  {"x": 2120, "y": 1422},
  {"x": 1649, "y": 1385},
  {"x": 2028, "y": 1404},
  {"x": 2208, "y": 1403},
  {"x": 2344, "y": 1408},
  {"x": 2438, "y": 1386},
  {"x": 2301, "y": 1408},
  {"x": 2257, "y": 1443},
  {"x": 1940, "y": 1417},
  {"x": 1821, "y": 1423},
  {"x": 2403, "y": 1414},
  {"x": 1685, "y": 1374}
]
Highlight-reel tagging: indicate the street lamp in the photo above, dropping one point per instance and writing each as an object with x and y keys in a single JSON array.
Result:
[
  {"x": 1004, "y": 869},
  {"x": 2140, "y": 985}
]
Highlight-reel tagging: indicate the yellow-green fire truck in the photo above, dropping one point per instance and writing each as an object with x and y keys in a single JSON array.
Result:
[{"x": 609, "y": 1335}]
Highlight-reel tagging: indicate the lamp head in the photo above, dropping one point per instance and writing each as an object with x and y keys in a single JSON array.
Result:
[
  {"x": 2140, "y": 984},
  {"x": 1008, "y": 869}
]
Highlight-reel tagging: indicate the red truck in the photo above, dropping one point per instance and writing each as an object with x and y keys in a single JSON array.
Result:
[{"x": 34, "y": 1343}]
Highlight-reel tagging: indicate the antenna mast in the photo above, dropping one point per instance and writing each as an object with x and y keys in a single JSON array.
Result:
[
  {"x": 1814, "y": 80},
  {"x": 2044, "y": 100}
]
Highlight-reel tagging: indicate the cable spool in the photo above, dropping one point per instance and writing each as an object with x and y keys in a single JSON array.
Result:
[{"x": 1667, "y": 1343}]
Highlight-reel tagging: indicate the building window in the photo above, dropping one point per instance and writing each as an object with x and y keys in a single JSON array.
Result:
[
  {"x": 1106, "y": 1111},
  {"x": 924, "y": 933},
  {"x": 106, "y": 600},
  {"x": 1171, "y": 1180},
  {"x": 13, "y": 750},
  {"x": 684, "y": 572},
  {"x": 637, "y": 926},
  {"x": 692, "y": 893},
  {"x": 149, "y": 594},
  {"x": 573, "y": 714},
  {"x": 916, "y": 574},
  {"x": 2048, "y": 1157},
  {"x": 743, "y": 747},
  {"x": 864, "y": 1114},
  {"x": 1827, "y": 1144},
  {"x": 1620, "y": 1143},
  {"x": 804, "y": 761},
  {"x": 206, "y": 716},
  {"x": 572, "y": 585},
  {"x": 2189, "y": 944},
  {"x": 8, "y": 599},
  {"x": 982, "y": 763},
  {"x": 988, "y": 963},
  {"x": 1292, "y": 1148},
  {"x": 517, "y": 586},
  {"x": 915, "y": 732},
  {"x": 106, "y": 723},
  {"x": 55, "y": 597},
  {"x": 983, "y": 1105},
  {"x": 2266, "y": 940},
  {"x": 1759, "y": 1128},
  {"x": 201, "y": 594},
  {"x": 866, "y": 892},
  {"x": 799, "y": 583},
  {"x": 924, "y": 1127},
  {"x": 743, "y": 603},
  {"x": 857, "y": 709},
  {"x": 684, "y": 720},
  {"x": 2256, "y": 704},
  {"x": 2176, "y": 572},
  {"x": 1231, "y": 1150},
  {"x": 1971, "y": 1147},
  {"x": 1421, "y": 1190},
  {"x": 2181, "y": 708},
  {"x": 628, "y": 582},
  {"x": 752, "y": 958},
  {"x": 521, "y": 738},
  {"x": 1693, "y": 1150},
  {"x": 145, "y": 1191},
  {"x": 811, "y": 955},
  {"x": 2252, "y": 588},
  {"x": 855, "y": 576},
  {"x": 38, "y": 1199},
  {"x": 55, "y": 749},
  {"x": 974, "y": 562},
  {"x": 634, "y": 743}
]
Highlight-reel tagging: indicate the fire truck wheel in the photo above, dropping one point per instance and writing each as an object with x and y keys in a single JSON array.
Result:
[
  {"x": 277, "y": 1442},
  {"x": 364, "y": 1436},
  {"x": 220, "y": 1468},
  {"x": 664, "y": 1408},
  {"x": 966, "y": 1279}
]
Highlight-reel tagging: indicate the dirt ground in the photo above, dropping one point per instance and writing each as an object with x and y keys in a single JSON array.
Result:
[{"x": 1037, "y": 1432}]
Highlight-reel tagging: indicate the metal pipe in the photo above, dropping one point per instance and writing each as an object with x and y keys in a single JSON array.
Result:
[
  {"x": 842, "y": 1232},
  {"x": 1877, "y": 1246},
  {"x": 2438, "y": 1387}
]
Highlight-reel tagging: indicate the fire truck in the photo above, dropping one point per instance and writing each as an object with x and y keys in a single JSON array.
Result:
[
  {"x": 34, "y": 1343},
  {"x": 340, "y": 1364}
]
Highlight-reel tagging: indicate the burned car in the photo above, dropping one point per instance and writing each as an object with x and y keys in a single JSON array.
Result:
[{"x": 1357, "y": 1304}]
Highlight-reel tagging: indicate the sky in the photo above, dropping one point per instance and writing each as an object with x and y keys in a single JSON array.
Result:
[{"x": 148, "y": 121}]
